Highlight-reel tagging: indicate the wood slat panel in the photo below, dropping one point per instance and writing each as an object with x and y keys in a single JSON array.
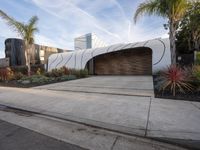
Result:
[{"x": 127, "y": 62}]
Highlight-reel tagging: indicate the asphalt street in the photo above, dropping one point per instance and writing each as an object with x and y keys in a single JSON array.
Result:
[{"x": 13, "y": 137}]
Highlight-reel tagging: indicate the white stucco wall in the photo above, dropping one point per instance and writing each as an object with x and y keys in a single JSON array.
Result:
[{"x": 79, "y": 58}]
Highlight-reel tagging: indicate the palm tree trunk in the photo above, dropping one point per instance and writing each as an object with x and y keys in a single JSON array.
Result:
[
  {"x": 196, "y": 40},
  {"x": 27, "y": 57},
  {"x": 189, "y": 43},
  {"x": 29, "y": 65},
  {"x": 172, "y": 37}
]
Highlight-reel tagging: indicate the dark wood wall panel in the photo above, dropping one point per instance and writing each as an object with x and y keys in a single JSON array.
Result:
[{"x": 127, "y": 62}]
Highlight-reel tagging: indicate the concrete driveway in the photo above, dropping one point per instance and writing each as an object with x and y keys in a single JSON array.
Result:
[
  {"x": 115, "y": 103},
  {"x": 120, "y": 85}
]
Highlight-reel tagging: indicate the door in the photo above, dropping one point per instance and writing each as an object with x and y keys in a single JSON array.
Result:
[{"x": 136, "y": 61}]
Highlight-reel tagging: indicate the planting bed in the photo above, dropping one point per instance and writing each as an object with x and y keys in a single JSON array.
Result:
[
  {"x": 36, "y": 81},
  {"x": 194, "y": 95}
]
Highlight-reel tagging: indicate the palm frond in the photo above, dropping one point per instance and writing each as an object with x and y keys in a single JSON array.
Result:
[
  {"x": 179, "y": 9},
  {"x": 151, "y": 7},
  {"x": 33, "y": 21},
  {"x": 15, "y": 25}
]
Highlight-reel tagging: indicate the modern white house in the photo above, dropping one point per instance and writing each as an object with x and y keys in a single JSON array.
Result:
[{"x": 140, "y": 58}]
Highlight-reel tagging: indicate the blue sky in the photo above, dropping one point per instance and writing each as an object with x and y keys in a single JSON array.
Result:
[{"x": 60, "y": 21}]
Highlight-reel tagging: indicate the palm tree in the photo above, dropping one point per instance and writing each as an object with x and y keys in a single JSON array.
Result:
[
  {"x": 174, "y": 10},
  {"x": 26, "y": 32}
]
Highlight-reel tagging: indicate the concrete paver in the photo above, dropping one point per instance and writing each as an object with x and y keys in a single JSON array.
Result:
[
  {"x": 177, "y": 119},
  {"x": 124, "y": 85},
  {"x": 109, "y": 81},
  {"x": 114, "y": 110}
]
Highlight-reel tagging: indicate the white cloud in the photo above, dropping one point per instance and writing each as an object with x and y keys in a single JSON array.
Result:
[
  {"x": 111, "y": 26},
  {"x": 63, "y": 20},
  {"x": 108, "y": 20}
]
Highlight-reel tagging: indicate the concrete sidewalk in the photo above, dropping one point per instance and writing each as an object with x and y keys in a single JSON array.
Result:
[{"x": 144, "y": 116}]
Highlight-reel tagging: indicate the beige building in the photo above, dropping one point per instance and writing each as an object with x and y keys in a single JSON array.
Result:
[{"x": 14, "y": 50}]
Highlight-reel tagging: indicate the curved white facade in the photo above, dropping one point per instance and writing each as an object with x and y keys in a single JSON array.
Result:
[{"x": 79, "y": 58}]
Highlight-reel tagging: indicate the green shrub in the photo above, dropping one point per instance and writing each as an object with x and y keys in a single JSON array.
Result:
[
  {"x": 21, "y": 69},
  {"x": 67, "y": 77},
  {"x": 65, "y": 71},
  {"x": 47, "y": 74},
  {"x": 24, "y": 69},
  {"x": 39, "y": 79},
  {"x": 157, "y": 73},
  {"x": 18, "y": 75},
  {"x": 75, "y": 72},
  {"x": 197, "y": 62},
  {"x": 36, "y": 79},
  {"x": 196, "y": 76},
  {"x": 34, "y": 68},
  {"x": 57, "y": 72},
  {"x": 196, "y": 72},
  {"x": 82, "y": 73}
]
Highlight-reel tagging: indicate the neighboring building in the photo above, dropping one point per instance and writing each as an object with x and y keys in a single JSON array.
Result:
[
  {"x": 14, "y": 50},
  {"x": 88, "y": 41},
  {"x": 141, "y": 58},
  {"x": 4, "y": 62}
]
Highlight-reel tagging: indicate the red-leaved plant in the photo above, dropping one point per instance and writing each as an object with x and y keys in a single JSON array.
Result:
[
  {"x": 175, "y": 78},
  {"x": 6, "y": 74}
]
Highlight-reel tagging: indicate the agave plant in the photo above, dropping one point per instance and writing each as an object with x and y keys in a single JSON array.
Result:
[{"x": 176, "y": 79}]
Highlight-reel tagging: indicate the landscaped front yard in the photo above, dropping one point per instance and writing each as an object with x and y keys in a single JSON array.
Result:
[
  {"x": 17, "y": 77},
  {"x": 174, "y": 82}
]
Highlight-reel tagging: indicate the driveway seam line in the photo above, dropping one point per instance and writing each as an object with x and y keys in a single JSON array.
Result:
[
  {"x": 195, "y": 105},
  {"x": 115, "y": 141},
  {"x": 148, "y": 116},
  {"x": 97, "y": 93},
  {"x": 101, "y": 87}
]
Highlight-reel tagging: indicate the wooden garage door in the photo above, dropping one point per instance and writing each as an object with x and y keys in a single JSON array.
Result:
[{"x": 126, "y": 62}]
